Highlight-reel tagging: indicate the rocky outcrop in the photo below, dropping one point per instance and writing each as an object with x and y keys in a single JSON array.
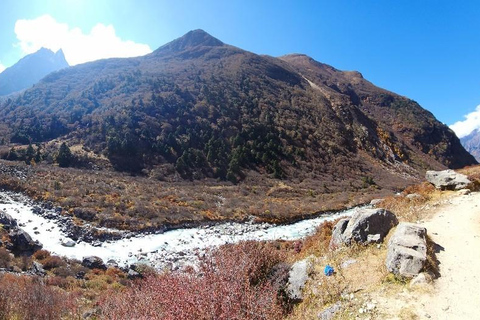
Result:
[
  {"x": 297, "y": 278},
  {"x": 7, "y": 221},
  {"x": 93, "y": 262},
  {"x": 37, "y": 268},
  {"x": 407, "y": 250},
  {"x": 132, "y": 274},
  {"x": 337, "y": 233},
  {"x": 365, "y": 226},
  {"x": 22, "y": 242},
  {"x": 447, "y": 180}
]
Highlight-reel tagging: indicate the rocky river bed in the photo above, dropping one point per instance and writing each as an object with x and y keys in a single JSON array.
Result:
[{"x": 171, "y": 249}]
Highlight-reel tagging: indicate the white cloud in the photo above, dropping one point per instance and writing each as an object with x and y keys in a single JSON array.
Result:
[
  {"x": 465, "y": 127},
  {"x": 2, "y": 67},
  {"x": 101, "y": 42}
]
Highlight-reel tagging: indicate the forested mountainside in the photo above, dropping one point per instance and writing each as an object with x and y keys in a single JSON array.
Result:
[{"x": 197, "y": 107}]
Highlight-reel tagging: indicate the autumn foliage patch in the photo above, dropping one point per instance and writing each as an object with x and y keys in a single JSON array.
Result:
[
  {"x": 23, "y": 297},
  {"x": 231, "y": 283}
]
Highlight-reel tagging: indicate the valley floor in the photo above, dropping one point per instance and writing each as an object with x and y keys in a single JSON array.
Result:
[{"x": 455, "y": 228}]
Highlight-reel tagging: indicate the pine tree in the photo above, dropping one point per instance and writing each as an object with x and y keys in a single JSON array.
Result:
[
  {"x": 38, "y": 154},
  {"x": 29, "y": 154},
  {"x": 64, "y": 157}
]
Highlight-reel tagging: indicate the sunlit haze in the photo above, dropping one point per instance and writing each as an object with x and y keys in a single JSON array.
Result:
[{"x": 79, "y": 47}]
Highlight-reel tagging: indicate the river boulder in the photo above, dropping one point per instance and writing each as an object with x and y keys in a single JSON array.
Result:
[
  {"x": 93, "y": 262},
  {"x": 7, "y": 221},
  {"x": 448, "y": 180},
  {"x": 407, "y": 250},
  {"x": 337, "y": 233},
  {"x": 365, "y": 226},
  {"x": 22, "y": 242},
  {"x": 68, "y": 243}
]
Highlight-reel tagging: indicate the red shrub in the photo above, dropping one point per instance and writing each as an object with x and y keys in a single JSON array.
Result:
[
  {"x": 23, "y": 297},
  {"x": 41, "y": 254},
  {"x": 53, "y": 262},
  {"x": 232, "y": 283}
]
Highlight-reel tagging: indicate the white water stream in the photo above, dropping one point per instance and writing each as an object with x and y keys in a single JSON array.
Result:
[{"x": 170, "y": 249}]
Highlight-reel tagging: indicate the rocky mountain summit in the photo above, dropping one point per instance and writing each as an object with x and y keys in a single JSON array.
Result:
[
  {"x": 471, "y": 143},
  {"x": 30, "y": 69}
]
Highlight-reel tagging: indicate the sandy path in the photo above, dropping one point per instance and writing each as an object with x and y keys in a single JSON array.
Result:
[
  {"x": 455, "y": 295},
  {"x": 456, "y": 228}
]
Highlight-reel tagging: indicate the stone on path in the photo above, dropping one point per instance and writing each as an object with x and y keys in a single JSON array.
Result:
[
  {"x": 448, "y": 180},
  {"x": 407, "y": 250}
]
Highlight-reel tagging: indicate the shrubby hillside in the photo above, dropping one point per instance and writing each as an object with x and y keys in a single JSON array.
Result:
[{"x": 197, "y": 108}]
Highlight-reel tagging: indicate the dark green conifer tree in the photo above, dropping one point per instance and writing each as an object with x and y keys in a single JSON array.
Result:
[{"x": 64, "y": 157}]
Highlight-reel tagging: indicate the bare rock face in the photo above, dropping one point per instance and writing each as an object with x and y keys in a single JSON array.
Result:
[
  {"x": 447, "y": 180},
  {"x": 365, "y": 226},
  {"x": 407, "y": 250}
]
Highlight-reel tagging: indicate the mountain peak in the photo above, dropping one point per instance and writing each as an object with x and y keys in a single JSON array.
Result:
[
  {"x": 192, "y": 39},
  {"x": 44, "y": 50},
  {"x": 30, "y": 69},
  {"x": 60, "y": 53}
]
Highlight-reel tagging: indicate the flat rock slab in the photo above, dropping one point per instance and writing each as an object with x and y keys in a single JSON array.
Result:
[{"x": 448, "y": 180}]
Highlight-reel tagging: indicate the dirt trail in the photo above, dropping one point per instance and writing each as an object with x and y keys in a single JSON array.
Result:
[{"x": 455, "y": 228}]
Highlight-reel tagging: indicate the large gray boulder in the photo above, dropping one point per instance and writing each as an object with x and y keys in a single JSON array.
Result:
[
  {"x": 297, "y": 278},
  {"x": 7, "y": 221},
  {"x": 407, "y": 250},
  {"x": 337, "y": 233},
  {"x": 93, "y": 262},
  {"x": 365, "y": 226},
  {"x": 447, "y": 180},
  {"x": 22, "y": 242}
]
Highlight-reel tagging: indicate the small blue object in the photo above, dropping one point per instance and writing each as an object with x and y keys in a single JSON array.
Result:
[{"x": 328, "y": 270}]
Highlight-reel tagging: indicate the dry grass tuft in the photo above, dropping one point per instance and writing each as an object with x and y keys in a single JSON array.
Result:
[
  {"x": 414, "y": 207},
  {"x": 473, "y": 173},
  {"x": 432, "y": 263}
]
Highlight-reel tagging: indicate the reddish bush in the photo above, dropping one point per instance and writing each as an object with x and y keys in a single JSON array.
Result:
[
  {"x": 53, "y": 262},
  {"x": 23, "y": 297},
  {"x": 232, "y": 283},
  {"x": 41, "y": 254},
  {"x": 5, "y": 258},
  {"x": 317, "y": 243}
]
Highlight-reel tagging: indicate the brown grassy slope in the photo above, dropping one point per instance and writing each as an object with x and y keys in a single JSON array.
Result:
[{"x": 127, "y": 202}]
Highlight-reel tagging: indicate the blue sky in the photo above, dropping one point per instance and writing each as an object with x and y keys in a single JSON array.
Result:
[{"x": 425, "y": 50}]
